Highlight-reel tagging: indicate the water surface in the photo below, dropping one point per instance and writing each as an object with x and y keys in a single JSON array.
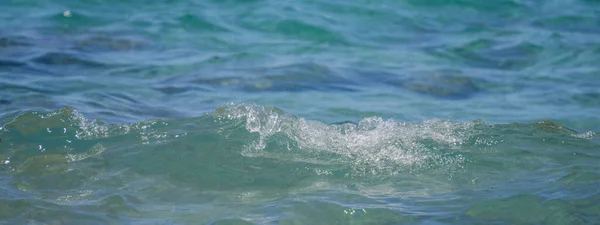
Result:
[{"x": 311, "y": 112}]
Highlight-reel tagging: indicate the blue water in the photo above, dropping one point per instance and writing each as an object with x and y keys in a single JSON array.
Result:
[{"x": 306, "y": 112}]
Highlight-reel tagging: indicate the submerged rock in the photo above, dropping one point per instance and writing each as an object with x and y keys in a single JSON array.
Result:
[
  {"x": 453, "y": 87},
  {"x": 62, "y": 59},
  {"x": 287, "y": 78},
  {"x": 441, "y": 83},
  {"x": 9, "y": 41},
  {"x": 5, "y": 101},
  {"x": 105, "y": 43}
]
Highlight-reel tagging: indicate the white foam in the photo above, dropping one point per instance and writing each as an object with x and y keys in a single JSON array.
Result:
[
  {"x": 375, "y": 144},
  {"x": 585, "y": 135}
]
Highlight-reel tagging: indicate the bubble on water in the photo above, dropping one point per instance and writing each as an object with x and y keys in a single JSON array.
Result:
[
  {"x": 373, "y": 145},
  {"x": 585, "y": 135}
]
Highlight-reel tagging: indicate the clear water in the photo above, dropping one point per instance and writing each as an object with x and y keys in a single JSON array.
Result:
[{"x": 300, "y": 112}]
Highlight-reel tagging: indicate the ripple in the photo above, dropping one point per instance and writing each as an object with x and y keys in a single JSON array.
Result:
[
  {"x": 485, "y": 53},
  {"x": 572, "y": 23},
  {"x": 292, "y": 28},
  {"x": 526, "y": 209},
  {"x": 193, "y": 22},
  {"x": 108, "y": 43},
  {"x": 11, "y": 41},
  {"x": 315, "y": 212},
  {"x": 10, "y": 63},
  {"x": 587, "y": 99},
  {"x": 66, "y": 59}
]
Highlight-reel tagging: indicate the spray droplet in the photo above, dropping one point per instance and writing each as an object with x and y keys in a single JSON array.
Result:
[{"x": 67, "y": 13}]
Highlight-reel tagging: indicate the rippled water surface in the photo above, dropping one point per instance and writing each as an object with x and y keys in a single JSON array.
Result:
[{"x": 300, "y": 112}]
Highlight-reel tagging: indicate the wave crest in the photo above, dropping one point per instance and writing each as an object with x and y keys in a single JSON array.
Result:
[
  {"x": 378, "y": 144},
  {"x": 374, "y": 145}
]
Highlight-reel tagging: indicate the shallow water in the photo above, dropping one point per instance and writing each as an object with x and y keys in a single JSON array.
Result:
[{"x": 312, "y": 112}]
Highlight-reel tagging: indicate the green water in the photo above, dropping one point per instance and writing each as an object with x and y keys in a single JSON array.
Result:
[
  {"x": 252, "y": 164},
  {"x": 299, "y": 112}
]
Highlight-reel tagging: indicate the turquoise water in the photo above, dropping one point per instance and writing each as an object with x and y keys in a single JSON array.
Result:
[{"x": 300, "y": 112}]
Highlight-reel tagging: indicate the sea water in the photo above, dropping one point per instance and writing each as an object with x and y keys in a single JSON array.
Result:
[{"x": 300, "y": 112}]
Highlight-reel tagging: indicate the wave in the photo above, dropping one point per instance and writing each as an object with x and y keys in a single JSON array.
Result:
[
  {"x": 249, "y": 153},
  {"x": 373, "y": 146}
]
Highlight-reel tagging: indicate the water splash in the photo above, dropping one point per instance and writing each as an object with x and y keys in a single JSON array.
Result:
[{"x": 373, "y": 145}]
